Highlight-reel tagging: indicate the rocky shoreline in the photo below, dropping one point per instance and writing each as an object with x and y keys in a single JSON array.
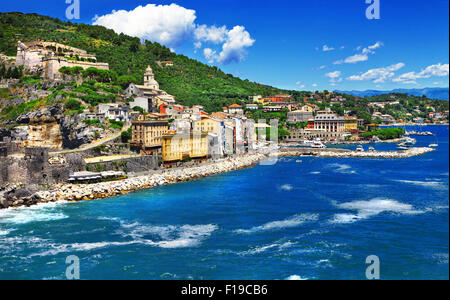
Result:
[{"x": 83, "y": 192}]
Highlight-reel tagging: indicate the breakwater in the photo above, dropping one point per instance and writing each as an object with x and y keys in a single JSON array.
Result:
[
  {"x": 344, "y": 153},
  {"x": 84, "y": 192}
]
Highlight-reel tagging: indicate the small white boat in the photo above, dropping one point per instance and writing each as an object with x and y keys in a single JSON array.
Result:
[
  {"x": 371, "y": 149},
  {"x": 360, "y": 148},
  {"x": 318, "y": 145},
  {"x": 433, "y": 145}
]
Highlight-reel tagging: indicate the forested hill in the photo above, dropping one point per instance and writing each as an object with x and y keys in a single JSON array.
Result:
[{"x": 190, "y": 81}]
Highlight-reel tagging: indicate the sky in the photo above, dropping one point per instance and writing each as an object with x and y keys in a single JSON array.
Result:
[{"x": 291, "y": 44}]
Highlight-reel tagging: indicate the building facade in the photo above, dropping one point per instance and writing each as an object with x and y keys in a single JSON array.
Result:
[
  {"x": 147, "y": 132},
  {"x": 328, "y": 121},
  {"x": 299, "y": 116},
  {"x": 178, "y": 147}
]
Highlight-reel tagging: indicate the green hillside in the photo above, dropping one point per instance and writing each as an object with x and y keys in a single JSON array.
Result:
[{"x": 190, "y": 81}]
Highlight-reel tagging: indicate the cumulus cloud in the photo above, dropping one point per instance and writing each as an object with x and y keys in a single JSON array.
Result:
[
  {"x": 363, "y": 56},
  {"x": 437, "y": 70},
  {"x": 210, "y": 55},
  {"x": 378, "y": 75},
  {"x": 171, "y": 25},
  {"x": 234, "y": 49},
  {"x": 212, "y": 34}
]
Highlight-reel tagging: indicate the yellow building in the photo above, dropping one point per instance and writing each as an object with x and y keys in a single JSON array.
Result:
[
  {"x": 177, "y": 147},
  {"x": 206, "y": 125},
  {"x": 147, "y": 132},
  {"x": 350, "y": 124}
]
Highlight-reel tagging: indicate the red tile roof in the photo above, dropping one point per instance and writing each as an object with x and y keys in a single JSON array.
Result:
[{"x": 235, "y": 106}]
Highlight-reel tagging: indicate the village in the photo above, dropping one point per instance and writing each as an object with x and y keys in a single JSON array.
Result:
[{"x": 145, "y": 130}]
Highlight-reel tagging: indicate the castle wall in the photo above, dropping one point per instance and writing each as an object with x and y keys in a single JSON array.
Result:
[
  {"x": 53, "y": 64},
  {"x": 132, "y": 164}
]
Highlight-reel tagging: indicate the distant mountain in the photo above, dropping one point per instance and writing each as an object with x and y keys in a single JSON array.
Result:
[{"x": 432, "y": 93}]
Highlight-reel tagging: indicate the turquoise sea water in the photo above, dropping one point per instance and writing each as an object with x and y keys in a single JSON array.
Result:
[{"x": 308, "y": 218}]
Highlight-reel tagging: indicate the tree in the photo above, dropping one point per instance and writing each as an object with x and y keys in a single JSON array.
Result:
[{"x": 72, "y": 104}]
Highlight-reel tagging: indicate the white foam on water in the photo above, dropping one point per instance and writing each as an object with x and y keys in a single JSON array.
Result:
[
  {"x": 42, "y": 212},
  {"x": 286, "y": 187},
  {"x": 293, "y": 221},
  {"x": 441, "y": 258},
  {"x": 429, "y": 184},
  {"x": 6, "y": 231},
  {"x": 171, "y": 237},
  {"x": 296, "y": 277},
  {"x": 315, "y": 172},
  {"x": 342, "y": 168},
  {"x": 258, "y": 250},
  {"x": 367, "y": 209}
]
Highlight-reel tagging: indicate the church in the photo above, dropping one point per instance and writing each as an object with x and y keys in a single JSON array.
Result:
[{"x": 150, "y": 90}]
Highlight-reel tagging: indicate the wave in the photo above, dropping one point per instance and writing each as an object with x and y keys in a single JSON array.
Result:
[
  {"x": 258, "y": 250},
  {"x": 429, "y": 184},
  {"x": 296, "y": 277},
  {"x": 367, "y": 209},
  {"x": 286, "y": 187},
  {"x": 6, "y": 231},
  {"x": 43, "y": 212},
  {"x": 342, "y": 168},
  {"x": 293, "y": 221},
  {"x": 315, "y": 173},
  {"x": 169, "y": 237}
]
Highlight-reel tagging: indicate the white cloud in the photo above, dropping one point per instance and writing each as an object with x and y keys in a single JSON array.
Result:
[
  {"x": 334, "y": 74},
  {"x": 212, "y": 34},
  {"x": 325, "y": 48},
  {"x": 378, "y": 75},
  {"x": 352, "y": 59},
  {"x": 234, "y": 49},
  {"x": 370, "y": 49},
  {"x": 437, "y": 70},
  {"x": 363, "y": 56},
  {"x": 300, "y": 85},
  {"x": 210, "y": 55},
  {"x": 321, "y": 67},
  {"x": 335, "y": 77},
  {"x": 314, "y": 84},
  {"x": 169, "y": 25}
]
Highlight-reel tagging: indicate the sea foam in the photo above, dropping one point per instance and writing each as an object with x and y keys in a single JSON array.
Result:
[
  {"x": 43, "y": 212},
  {"x": 367, "y": 209},
  {"x": 429, "y": 184},
  {"x": 342, "y": 168},
  {"x": 293, "y": 221},
  {"x": 163, "y": 237}
]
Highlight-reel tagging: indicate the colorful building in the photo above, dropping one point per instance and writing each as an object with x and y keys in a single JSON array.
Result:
[
  {"x": 350, "y": 124},
  {"x": 147, "y": 132},
  {"x": 178, "y": 147}
]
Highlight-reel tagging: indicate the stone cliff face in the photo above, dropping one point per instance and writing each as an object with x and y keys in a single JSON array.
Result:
[
  {"x": 42, "y": 128},
  {"x": 49, "y": 127}
]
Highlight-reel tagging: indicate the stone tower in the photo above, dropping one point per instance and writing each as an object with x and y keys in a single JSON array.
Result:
[{"x": 149, "y": 79}]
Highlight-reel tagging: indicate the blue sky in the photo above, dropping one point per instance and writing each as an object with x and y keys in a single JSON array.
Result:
[{"x": 282, "y": 43}]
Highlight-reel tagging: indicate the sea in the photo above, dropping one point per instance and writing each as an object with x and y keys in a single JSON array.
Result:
[{"x": 304, "y": 218}]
